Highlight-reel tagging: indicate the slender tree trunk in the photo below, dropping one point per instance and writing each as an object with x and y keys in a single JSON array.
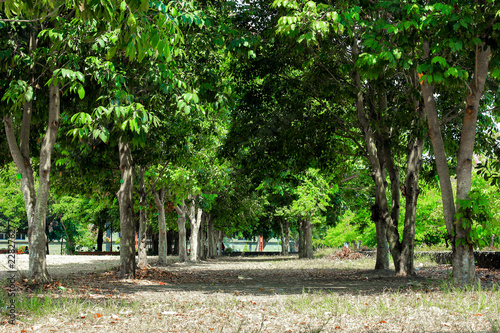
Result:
[
  {"x": 220, "y": 241},
  {"x": 285, "y": 236},
  {"x": 37, "y": 264},
  {"x": 194, "y": 215},
  {"x": 181, "y": 225},
  {"x": 374, "y": 158},
  {"x": 464, "y": 268},
  {"x": 100, "y": 237},
  {"x": 142, "y": 250},
  {"x": 212, "y": 249},
  {"x": 463, "y": 255},
  {"x": 36, "y": 207},
  {"x": 301, "y": 238},
  {"x": 392, "y": 232},
  {"x": 414, "y": 166},
  {"x": 282, "y": 236},
  {"x": 203, "y": 237},
  {"x": 175, "y": 241},
  {"x": 308, "y": 244},
  {"x": 126, "y": 203},
  {"x": 159, "y": 198}
]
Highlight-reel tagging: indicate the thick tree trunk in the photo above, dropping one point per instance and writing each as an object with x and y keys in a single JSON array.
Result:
[
  {"x": 126, "y": 203},
  {"x": 382, "y": 259},
  {"x": 159, "y": 198},
  {"x": 142, "y": 250},
  {"x": 181, "y": 225}
]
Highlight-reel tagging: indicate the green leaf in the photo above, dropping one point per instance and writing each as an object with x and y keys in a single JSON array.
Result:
[{"x": 81, "y": 92}]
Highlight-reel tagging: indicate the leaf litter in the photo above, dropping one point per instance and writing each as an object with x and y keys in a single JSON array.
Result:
[{"x": 269, "y": 294}]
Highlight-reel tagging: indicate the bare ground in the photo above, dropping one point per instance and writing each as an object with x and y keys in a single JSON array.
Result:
[{"x": 265, "y": 294}]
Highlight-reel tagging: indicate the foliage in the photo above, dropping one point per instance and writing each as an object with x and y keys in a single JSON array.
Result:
[
  {"x": 12, "y": 209},
  {"x": 475, "y": 213}
]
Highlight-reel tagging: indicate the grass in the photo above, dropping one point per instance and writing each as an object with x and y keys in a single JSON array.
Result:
[{"x": 424, "y": 307}]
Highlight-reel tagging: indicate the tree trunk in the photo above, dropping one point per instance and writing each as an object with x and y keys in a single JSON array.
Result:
[
  {"x": 100, "y": 237},
  {"x": 212, "y": 250},
  {"x": 308, "y": 244},
  {"x": 37, "y": 264},
  {"x": 376, "y": 159},
  {"x": 181, "y": 225},
  {"x": 35, "y": 207},
  {"x": 142, "y": 250},
  {"x": 382, "y": 260},
  {"x": 413, "y": 168},
  {"x": 203, "y": 237},
  {"x": 301, "y": 238},
  {"x": 463, "y": 260},
  {"x": 285, "y": 236},
  {"x": 194, "y": 215},
  {"x": 159, "y": 198},
  {"x": 126, "y": 203},
  {"x": 220, "y": 242},
  {"x": 463, "y": 255},
  {"x": 175, "y": 241}
]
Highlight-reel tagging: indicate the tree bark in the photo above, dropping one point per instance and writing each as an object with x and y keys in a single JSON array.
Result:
[
  {"x": 142, "y": 250},
  {"x": 212, "y": 247},
  {"x": 383, "y": 218},
  {"x": 194, "y": 215},
  {"x": 308, "y": 245},
  {"x": 463, "y": 255},
  {"x": 464, "y": 268},
  {"x": 181, "y": 225},
  {"x": 37, "y": 263},
  {"x": 285, "y": 236},
  {"x": 382, "y": 259},
  {"x": 126, "y": 203},
  {"x": 301, "y": 238},
  {"x": 413, "y": 168},
  {"x": 100, "y": 237},
  {"x": 220, "y": 242},
  {"x": 159, "y": 198},
  {"x": 203, "y": 237}
]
